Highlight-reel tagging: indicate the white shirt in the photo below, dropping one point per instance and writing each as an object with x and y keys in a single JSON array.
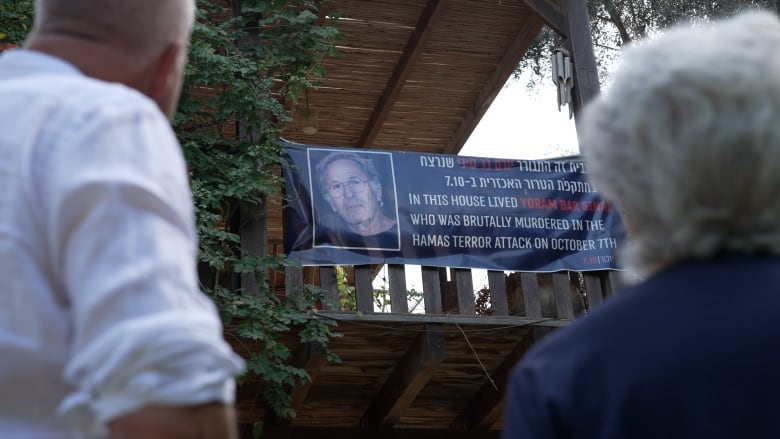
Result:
[{"x": 100, "y": 311}]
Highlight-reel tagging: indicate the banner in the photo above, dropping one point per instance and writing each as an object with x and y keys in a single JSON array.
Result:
[{"x": 353, "y": 206}]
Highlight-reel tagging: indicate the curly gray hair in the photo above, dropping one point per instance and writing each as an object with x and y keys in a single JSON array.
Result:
[{"x": 686, "y": 141}]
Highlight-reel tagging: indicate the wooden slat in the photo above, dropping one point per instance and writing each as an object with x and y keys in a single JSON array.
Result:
[
  {"x": 408, "y": 379},
  {"x": 329, "y": 283},
  {"x": 397, "y": 276},
  {"x": 614, "y": 282},
  {"x": 422, "y": 32},
  {"x": 465, "y": 288},
  {"x": 533, "y": 306},
  {"x": 530, "y": 285},
  {"x": 594, "y": 288},
  {"x": 498, "y": 299},
  {"x": 562, "y": 289},
  {"x": 431, "y": 290},
  {"x": 364, "y": 290}
]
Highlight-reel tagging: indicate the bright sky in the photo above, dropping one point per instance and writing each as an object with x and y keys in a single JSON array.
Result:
[
  {"x": 523, "y": 124},
  {"x": 520, "y": 124}
]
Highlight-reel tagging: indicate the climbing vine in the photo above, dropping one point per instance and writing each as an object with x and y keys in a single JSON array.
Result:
[{"x": 249, "y": 61}]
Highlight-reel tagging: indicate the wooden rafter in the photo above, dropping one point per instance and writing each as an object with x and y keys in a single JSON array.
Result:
[
  {"x": 486, "y": 406},
  {"x": 512, "y": 56},
  {"x": 311, "y": 358},
  {"x": 414, "y": 47},
  {"x": 407, "y": 380},
  {"x": 551, "y": 13}
]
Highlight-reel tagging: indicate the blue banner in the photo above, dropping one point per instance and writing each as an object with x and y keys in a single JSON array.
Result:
[{"x": 353, "y": 206}]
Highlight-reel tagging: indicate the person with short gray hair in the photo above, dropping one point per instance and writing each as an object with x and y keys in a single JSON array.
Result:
[
  {"x": 686, "y": 142},
  {"x": 103, "y": 330}
]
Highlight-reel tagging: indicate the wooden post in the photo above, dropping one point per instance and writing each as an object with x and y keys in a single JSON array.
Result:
[{"x": 579, "y": 42}]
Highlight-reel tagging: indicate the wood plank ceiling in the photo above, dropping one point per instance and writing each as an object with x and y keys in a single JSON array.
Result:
[{"x": 415, "y": 75}]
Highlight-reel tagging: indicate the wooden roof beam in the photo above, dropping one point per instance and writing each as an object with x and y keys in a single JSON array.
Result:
[
  {"x": 549, "y": 11},
  {"x": 310, "y": 357},
  {"x": 414, "y": 47},
  {"x": 407, "y": 380},
  {"x": 512, "y": 56},
  {"x": 487, "y": 405}
]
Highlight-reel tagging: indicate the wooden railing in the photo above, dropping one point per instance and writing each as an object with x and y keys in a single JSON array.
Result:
[{"x": 561, "y": 295}]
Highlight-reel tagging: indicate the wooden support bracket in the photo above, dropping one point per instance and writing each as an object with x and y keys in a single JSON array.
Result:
[{"x": 407, "y": 380}]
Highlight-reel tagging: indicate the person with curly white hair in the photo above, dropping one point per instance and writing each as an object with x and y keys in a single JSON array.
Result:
[{"x": 686, "y": 142}]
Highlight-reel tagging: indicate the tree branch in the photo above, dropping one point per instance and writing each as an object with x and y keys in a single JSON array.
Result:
[{"x": 617, "y": 20}]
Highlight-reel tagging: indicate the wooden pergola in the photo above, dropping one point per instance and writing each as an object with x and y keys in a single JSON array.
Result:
[{"x": 418, "y": 75}]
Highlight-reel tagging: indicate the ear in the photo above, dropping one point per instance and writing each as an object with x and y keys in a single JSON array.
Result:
[
  {"x": 377, "y": 188},
  {"x": 165, "y": 73}
]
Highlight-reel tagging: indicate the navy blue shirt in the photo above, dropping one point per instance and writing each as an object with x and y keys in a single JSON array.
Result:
[{"x": 693, "y": 352}]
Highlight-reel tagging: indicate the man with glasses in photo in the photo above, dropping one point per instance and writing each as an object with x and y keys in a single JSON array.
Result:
[{"x": 351, "y": 187}]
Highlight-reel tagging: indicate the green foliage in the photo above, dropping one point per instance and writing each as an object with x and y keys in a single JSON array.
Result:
[
  {"x": 245, "y": 73},
  {"x": 615, "y": 23},
  {"x": 347, "y": 294},
  {"x": 483, "y": 304},
  {"x": 15, "y": 21}
]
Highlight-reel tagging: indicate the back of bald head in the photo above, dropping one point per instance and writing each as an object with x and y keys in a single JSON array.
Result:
[{"x": 143, "y": 27}]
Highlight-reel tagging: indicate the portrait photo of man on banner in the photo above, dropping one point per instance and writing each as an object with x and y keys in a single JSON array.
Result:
[{"x": 354, "y": 199}]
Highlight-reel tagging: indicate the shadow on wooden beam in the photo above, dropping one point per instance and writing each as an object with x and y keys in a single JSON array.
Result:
[
  {"x": 311, "y": 358},
  {"x": 487, "y": 405},
  {"x": 407, "y": 380}
]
